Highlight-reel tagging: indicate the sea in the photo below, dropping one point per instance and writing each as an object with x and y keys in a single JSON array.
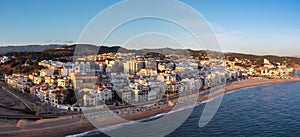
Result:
[{"x": 261, "y": 111}]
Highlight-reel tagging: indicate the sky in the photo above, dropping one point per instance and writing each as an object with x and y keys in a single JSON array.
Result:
[{"x": 247, "y": 26}]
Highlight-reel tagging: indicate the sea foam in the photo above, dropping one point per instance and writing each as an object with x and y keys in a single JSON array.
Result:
[{"x": 109, "y": 128}]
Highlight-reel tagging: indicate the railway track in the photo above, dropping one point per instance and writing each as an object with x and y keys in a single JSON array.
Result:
[
  {"x": 21, "y": 99},
  {"x": 25, "y": 117}
]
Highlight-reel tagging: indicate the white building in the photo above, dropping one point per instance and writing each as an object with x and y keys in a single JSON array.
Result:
[
  {"x": 90, "y": 97},
  {"x": 126, "y": 96},
  {"x": 106, "y": 95},
  {"x": 82, "y": 67},
  {"x": 4, "y": 59},
  {"x": 152, "y": 95}
]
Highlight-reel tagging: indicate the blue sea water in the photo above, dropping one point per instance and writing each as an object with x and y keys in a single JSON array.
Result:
[{"x": 270, "y": 110}]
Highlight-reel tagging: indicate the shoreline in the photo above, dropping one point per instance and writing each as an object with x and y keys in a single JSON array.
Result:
[{"x": 67, "y": 126}]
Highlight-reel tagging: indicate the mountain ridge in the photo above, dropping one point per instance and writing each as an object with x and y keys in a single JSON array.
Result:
[
  {"x": 53, "y": 47},
  {"x": 28, "y": 48}
]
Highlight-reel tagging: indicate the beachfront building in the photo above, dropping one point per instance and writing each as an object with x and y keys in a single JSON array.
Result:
[
  {"x": 106, "y": 94},
  {"x": 141, "y": 94},
  {"x": 88, "y": 97},
  {"x": 126, "y": 96},
  {"x": 153, "y": 94},
  {"x": 91, "y": 97},
  {"x": 126, "y": 78},
  {"x": 276, "y": 72}
]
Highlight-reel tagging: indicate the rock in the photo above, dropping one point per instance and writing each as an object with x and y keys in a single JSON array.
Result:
[{"x": 23, "y": 123}]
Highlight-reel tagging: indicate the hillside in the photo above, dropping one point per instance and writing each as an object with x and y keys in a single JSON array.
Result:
[
  {"x": 258, "y": 59},
  {"x": 29, "y": 48},
  {"x": 66, "y": 53}
]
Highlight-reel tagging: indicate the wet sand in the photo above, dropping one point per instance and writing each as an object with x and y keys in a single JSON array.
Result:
[{"x": 69, "y": 126}]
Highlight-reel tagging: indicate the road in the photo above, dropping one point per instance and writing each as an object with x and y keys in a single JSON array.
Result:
[{"x": 19, "y": 98}]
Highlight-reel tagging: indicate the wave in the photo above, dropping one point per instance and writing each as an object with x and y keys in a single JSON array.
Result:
[
  {"x": 96, "y": 132},
  {"x": 109, "y": 128},
  {"x": 245, "y": 88},
  {"x": 92, "y": 132}
]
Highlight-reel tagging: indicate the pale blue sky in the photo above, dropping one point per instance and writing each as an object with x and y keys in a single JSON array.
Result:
[{"x": 249, "y": 26}]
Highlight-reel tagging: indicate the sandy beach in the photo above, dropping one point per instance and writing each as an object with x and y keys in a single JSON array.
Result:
[{"x": 64, "y": 126}]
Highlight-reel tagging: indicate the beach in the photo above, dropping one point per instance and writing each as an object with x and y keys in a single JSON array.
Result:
[{"x": 67, "y": 125}]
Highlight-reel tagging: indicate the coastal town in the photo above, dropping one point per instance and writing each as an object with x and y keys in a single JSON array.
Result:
[
  {"x": 149, "y": 68},
  {"x": 119, "y": 81}
]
